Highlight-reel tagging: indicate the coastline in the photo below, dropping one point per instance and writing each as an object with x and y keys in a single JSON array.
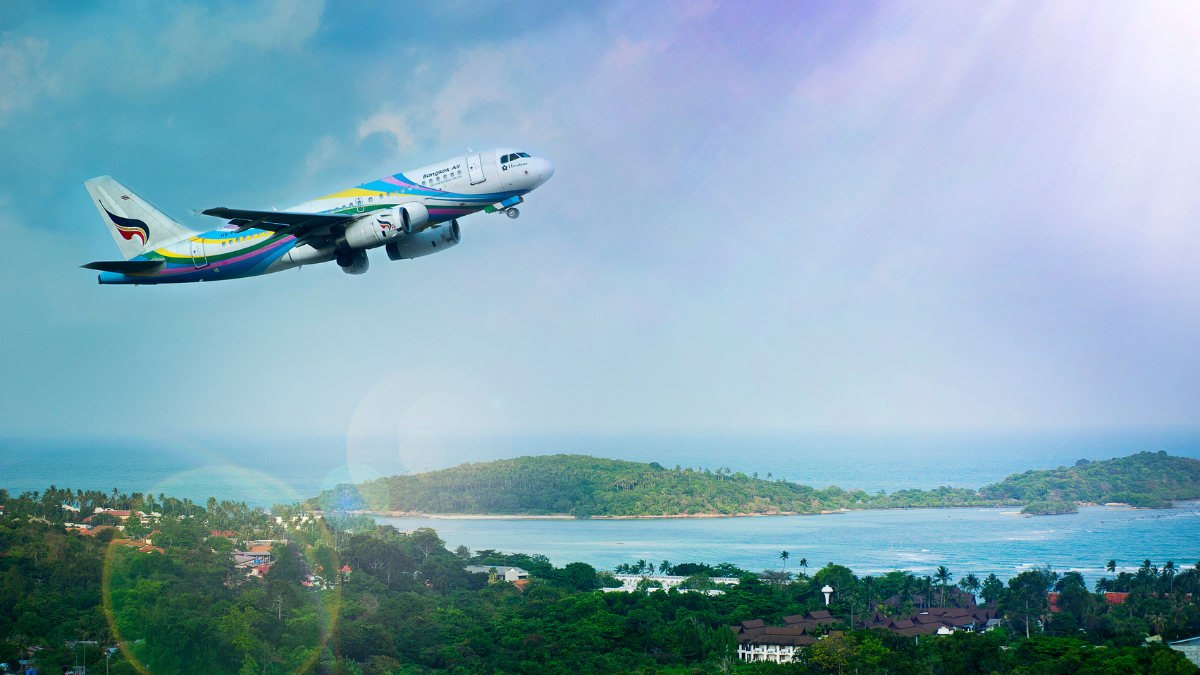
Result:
[
  {"x": 481, "y": 516},
  {"x": 1112, "y": 506}
]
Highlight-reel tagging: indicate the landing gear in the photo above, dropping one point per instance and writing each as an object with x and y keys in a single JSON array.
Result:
[{"x": 512, "y": 212}]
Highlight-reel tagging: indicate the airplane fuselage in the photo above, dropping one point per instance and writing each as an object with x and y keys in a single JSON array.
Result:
[{"x": 488, "y": 180}]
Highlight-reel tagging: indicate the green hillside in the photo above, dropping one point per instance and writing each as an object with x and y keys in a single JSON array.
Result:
[
  {"x": 585, "y": 486},
  {"x": 1145, "y": 479}
]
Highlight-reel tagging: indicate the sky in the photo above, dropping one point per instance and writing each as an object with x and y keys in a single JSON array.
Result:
[{"x": 764, "y": 216}]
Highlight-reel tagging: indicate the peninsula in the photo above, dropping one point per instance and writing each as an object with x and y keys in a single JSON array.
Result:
[{"x": 591, "y": 487}]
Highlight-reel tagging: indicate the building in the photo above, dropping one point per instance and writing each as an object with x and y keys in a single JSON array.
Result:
[
  {"x": 1190, "y": 648},
  {"x": 760, "y": 642},
  {"x": 498, "y": 572},
  {"x": 629, "y": 582}
]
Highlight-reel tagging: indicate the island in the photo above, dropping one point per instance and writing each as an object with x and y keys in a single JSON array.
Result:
[
  {"x": 590, "y": 487},
  {"x": 1050, "y": 508}
]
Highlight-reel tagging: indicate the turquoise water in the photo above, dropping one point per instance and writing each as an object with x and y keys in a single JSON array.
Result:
[
  {"x": 869, "y": 542},
  {"x": 267, "y": 470}
]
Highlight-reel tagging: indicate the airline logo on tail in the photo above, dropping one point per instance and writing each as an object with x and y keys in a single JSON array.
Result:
[{"x": 129, "y": 227}]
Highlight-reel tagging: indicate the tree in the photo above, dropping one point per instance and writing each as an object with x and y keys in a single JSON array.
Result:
[
  {"x": 943, "y": 575},
  {"x": 426, "y": 540},
  {"x": 784, "y": 556},
  {"x": 1111, "y": 566},
  {"x": 970, "y": 582},
  {"x": 993, "y": 588},
  {"x": 377, "y": 558},
  {"x": 286, "y": 566},
  {"x": 664, "y": 568},
  {"x": 238, "y": 626}
]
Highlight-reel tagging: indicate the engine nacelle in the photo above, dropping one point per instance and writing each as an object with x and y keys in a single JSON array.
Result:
[
  {"x": 410, "y": 217},
  {"x": 384, "y": 226},
  {"x": 432, "y": 240},
  {"x": 354, "y": 262}
]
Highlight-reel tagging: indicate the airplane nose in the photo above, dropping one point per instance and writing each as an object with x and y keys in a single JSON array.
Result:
[{"x": 545, "y": 169}]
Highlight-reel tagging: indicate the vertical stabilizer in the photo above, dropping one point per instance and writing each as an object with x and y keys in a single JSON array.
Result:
[{"x": 135, "y": 224}]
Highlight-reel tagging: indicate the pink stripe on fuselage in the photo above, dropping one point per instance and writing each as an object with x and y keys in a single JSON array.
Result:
[{"x": 229, "y": 261}]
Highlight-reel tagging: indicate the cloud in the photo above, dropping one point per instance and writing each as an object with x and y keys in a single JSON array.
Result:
[
  {"x": 22, "y": 73},
  {"x": 200, "y": 40},
  {"x": 322, "y": 155},
  {"x": 391, "y": 123},
  {"x": 626, "y": 53}
]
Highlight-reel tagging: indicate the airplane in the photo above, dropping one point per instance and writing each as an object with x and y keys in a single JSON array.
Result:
[{"x": 410, "y": 214}]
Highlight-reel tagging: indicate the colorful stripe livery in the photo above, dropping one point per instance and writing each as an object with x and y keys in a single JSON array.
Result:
[{"x": 438, "y": 194}]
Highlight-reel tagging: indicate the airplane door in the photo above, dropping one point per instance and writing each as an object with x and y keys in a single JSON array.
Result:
[
  {"x": 475, "y": 169},
  {"x": 198, "y": 258}
]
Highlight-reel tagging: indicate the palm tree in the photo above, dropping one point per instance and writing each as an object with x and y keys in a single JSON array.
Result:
[
  {"x": 664, "y": 568},
  {"x": 943, "y": 575},
  {"x": 1168, "y": 571},
  {"x": 971, "y": 583},
  {"x": 1111, "y": 567},
  {"x": 1158, "y": 621},
  {"x": 804, "y": 563},
  {"x": 784, "y": 556}
]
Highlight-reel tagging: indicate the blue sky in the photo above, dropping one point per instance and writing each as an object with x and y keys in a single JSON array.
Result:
[{"x": 764, "y": 216}]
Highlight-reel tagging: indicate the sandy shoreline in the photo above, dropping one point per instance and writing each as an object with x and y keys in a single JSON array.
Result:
[
  {"x": 472, "y": 516},
  {"x": 468, "y": 516}
]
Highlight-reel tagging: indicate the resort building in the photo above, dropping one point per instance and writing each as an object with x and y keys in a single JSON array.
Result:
[
  {"x": 630, "y": 582},
  {"x": 760, "y": 642},
  {"x": 498, "y": 572}
]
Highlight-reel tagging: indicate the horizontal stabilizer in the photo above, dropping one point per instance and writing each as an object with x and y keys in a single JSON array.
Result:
[{"x": 127, "y": 266}]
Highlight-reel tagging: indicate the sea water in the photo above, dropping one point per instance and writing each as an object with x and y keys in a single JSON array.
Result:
[
  {"x": 983, "y": 541},
  {"x": 263, "y": 470}
]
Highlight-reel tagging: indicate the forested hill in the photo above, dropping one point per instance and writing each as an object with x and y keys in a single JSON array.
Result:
[
  {"x": 1145, "y": 479},
  {"x": 588, "y": 486}
]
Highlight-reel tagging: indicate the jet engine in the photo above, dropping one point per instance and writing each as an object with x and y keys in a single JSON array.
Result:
[
  {"x": 354, "y": 262},
  {"x": 384, "y": 226},
  {"x": 432, "y": 240}
]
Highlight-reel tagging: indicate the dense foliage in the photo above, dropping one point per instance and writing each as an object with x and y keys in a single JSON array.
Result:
[
  {"x": 408, "y": 606},
  {"x": 589, "y": 487},
  {"x": 1050, "y": 508},
  {"x": 1146, "y": 479}
]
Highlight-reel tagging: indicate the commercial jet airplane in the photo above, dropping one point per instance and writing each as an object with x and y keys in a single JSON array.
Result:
[{"x": 410, "y": 214}]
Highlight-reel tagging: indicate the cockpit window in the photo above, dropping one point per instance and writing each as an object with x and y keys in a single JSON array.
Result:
[
  {"x": 504, "y": 159},
  {"x": 523, "y": 154}
]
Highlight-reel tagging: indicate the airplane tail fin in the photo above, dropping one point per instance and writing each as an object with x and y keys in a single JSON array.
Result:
[{"x": 135, "y": 224}]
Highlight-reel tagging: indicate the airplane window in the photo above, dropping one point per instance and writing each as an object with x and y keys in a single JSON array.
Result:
[
  {"x": 370, "y": 199},
  {"x": 504, "y": 159},
  {"x": 523, "y": 154}
]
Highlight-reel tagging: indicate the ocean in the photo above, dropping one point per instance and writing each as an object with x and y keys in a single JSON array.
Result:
[
  {"x": 262, "y": 470},
  {"x": 982, "y": 541}
]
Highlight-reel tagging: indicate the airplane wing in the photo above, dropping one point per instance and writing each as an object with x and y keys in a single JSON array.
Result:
[{"x": 303, "y": 226}]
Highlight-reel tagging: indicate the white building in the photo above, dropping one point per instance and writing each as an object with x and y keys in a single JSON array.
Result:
[
  {"x": 759, "y": 642},
  {"x": 629, "y": 582},
  {"x": 497, "y": 572}
]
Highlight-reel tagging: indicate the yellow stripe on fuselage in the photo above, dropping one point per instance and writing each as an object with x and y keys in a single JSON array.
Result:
[{"x": 352, "y": 192}]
